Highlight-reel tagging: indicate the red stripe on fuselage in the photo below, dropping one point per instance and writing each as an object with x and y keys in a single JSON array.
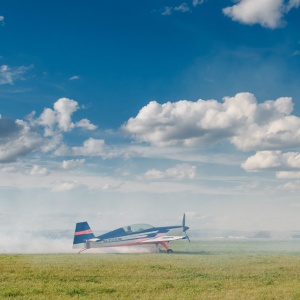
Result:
[
  {"x": 83, "y": 232},
  {"x": 121, "y": 245},
  {"x": 133, "y": 243}
]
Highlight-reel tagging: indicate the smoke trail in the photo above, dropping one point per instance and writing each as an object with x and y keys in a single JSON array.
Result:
[
  {"x": 124, "y": 250},
  {"x": 26, "y": 242},
  {"x": 40, "y": 243}
]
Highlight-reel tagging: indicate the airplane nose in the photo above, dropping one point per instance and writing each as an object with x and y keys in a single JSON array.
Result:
[{"x": 185, "y": 228}]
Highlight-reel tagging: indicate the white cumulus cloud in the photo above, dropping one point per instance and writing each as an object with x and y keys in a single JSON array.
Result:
[
  {"x": 38, "y": 171},
  {"x": 90, "y": 147},
  {"x": 262, "y": 160},
  {"x": 66, "y": 186},
  {"x": 20, "y": 143},
  {"x": 288, "y": 174},
  {"x": 267, "y": 13},
  {"x": 64, "y": 108},
  {"x": 179, "y": 172},
  {"x": 85, "y": 124},
  {"x": 72, "y": 164},
  {"x": 272, "y": 159},
  {"x": 41, "y": 134},
  {"x": 60, "y": 117},
  {"x": 241, "y": 120}
]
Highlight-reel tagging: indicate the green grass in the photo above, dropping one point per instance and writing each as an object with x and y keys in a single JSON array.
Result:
[{"x": 199, "y": 270}]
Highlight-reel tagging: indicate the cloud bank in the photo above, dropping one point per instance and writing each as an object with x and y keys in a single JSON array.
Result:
[
  {"x": 269, "y": 128},
  {"x": 39, "y": 134},
  {"x": 241, "y": 120}
]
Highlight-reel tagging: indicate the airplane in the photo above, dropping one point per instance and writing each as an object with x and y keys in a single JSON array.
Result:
[{"x": 131, "y": 235}]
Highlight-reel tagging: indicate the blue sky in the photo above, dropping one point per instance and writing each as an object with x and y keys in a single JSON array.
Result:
[{"x": 119, "y": 112}]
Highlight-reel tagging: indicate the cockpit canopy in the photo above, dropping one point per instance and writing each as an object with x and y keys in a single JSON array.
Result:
[
  {"x": 135, "y": 228},
  {"x": 126, "y": 230}
]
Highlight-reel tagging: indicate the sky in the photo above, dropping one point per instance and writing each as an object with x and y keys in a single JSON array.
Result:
[{"x": 119, "y": 112}]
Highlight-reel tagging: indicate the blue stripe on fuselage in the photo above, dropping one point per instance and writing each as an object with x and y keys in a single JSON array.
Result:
[{"x": 121, "y": 232}]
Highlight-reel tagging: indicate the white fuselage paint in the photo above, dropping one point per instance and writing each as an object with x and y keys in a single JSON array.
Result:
[{"x": 128, "y": 240}]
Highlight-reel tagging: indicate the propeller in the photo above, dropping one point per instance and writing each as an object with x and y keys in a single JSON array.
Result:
[{"x": 185, "y": 228}]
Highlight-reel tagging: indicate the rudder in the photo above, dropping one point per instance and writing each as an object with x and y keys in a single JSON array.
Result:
[{"x": 83, "y": 232}]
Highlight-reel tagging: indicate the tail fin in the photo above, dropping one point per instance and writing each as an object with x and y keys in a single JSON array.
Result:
[{"x": 83, "y": 232}]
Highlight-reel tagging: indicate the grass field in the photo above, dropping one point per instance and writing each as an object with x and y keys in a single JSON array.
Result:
[{"x": 199, "y": 270}]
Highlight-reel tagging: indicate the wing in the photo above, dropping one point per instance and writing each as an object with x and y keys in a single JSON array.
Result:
[{"x": 159, "y": 239}]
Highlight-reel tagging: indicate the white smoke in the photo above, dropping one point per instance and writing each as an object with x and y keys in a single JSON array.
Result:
[
  {"x": 31, "y": 243},
  {"x": 36, "y": 243},
  {"x": 123, "y": 250}
]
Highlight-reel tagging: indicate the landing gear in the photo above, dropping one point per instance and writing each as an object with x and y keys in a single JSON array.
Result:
[
  {"x": 164, "y": 244},
  {"x": 86, "y": 247}
]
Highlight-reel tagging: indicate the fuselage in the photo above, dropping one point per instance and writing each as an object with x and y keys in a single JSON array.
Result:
[{"x": 135, "y": 234}]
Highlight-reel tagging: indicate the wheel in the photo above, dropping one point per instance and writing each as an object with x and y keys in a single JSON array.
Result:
[{"x": 170, "y": 251}]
